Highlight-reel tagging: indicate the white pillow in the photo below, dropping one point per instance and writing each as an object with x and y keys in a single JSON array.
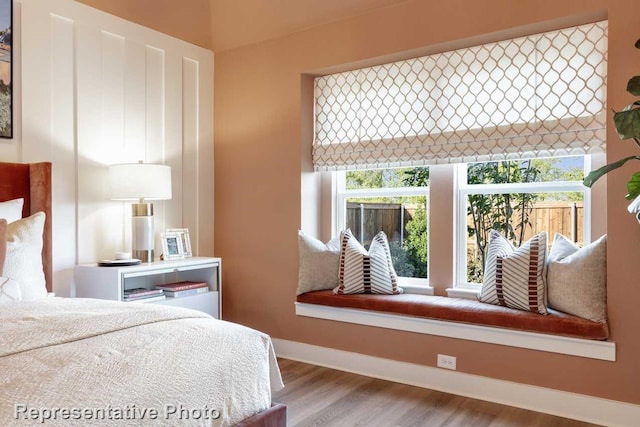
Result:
[
  {"x": 577, "y": 278},
  {"x": 515, "y": 277},
  {"x": 24, "y": 256},
  {"x": 363, "y": 272},
  {"x": 11, "y": 210},
  {"x": 9, "y": 290},
  {"x": 319, "y": 263}
]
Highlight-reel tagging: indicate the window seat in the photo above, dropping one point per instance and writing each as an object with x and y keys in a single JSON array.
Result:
[{"x": 465, "y": 311}]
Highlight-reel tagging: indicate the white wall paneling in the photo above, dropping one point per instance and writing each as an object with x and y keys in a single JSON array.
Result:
[
  {"x": 155, "y": 142},
  {"x": 204, "y": 160},
  {"x": 63, "y": 143},
  {"x": 190, "y": 135},
  {"x": 173, "y": 140},
  {"x": 99, "y": 90}
]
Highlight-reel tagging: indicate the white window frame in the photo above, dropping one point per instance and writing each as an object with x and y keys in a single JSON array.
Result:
[
  {"x": 409, "y": 284},
  {"x": 464, "y": 189}
]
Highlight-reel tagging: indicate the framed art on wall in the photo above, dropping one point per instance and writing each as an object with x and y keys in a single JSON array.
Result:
[{"x": 6, "y": 69}]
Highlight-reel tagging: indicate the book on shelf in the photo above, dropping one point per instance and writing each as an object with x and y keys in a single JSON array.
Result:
[
  {"x": 141, "y": 292},
  {"x": 146, "y": 299},
  {"x": 182, "y": 286},
  {"x": 187, "y": 292}
]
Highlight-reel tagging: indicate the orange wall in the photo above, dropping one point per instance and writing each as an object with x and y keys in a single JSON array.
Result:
[
  {"x": 258, "y": 139},
  {"x": 187, "y": 20}
]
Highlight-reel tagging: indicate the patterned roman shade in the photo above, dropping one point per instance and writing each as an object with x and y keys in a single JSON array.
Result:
[{"x": 535, "y": 96}]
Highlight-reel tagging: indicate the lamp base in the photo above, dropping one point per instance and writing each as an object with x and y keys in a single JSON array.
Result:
[
  {"x": 142, "y": 244},
  {"x": 143, "y": 256}
]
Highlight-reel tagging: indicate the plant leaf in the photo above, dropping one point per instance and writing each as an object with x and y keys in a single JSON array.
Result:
[
  {"x": 627, "y": 121},
  {"x": 633, "y": 86},
  {"x": 600, "y": 172},
  {"x": 633, "y": 186}
]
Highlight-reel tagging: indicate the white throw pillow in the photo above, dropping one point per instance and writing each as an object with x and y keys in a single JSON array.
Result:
[
  {"x": 515, "y": 277},
  {"x": 319, "y": 264},
  {"x": 24, "y": 256},
  {"x": 11, "y": 210},
  {"x": 577, "y": 278},
  {"x": 363, "y": 272},
  {"x": 9, "y": 290}
]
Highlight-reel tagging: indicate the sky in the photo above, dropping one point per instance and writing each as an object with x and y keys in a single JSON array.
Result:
[
  {"x": 567, "y": 163},
  {"x": 5, "y": 14}
]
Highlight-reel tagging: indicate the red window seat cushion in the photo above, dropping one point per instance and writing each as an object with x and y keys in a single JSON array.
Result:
[{"x": 464, "y": 310}]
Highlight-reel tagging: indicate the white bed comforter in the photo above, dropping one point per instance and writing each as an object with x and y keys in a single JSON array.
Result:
[{"x": 87, "y": 362}]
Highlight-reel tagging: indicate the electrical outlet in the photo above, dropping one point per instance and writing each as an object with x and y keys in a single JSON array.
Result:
[{"x": 447, "y": 362}]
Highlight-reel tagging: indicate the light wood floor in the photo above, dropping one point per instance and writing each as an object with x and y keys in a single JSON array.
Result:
[{"x": 318, "y": 396}]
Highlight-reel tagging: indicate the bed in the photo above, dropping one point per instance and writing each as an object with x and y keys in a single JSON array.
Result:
[{"x": 73, "y": 361}]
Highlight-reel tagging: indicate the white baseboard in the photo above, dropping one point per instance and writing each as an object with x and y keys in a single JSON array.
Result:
[{"x": 539, "y": 399}]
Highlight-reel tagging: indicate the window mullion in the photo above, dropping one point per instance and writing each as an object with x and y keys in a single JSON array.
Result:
[
  {"x": 461, "y": 233},
  {"x": 441, "y": 223},
  {"x": 387, "y": 192},
  {"x": 525, "y": 187}
]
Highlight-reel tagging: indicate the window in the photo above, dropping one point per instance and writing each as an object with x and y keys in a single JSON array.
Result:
[
  {"x": 519, "y": 198},
  {"x": 476, "y": 113},
  {"x": 391, "y": 200}
]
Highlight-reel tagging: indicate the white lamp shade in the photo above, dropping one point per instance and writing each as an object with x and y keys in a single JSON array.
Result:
[{"x": 133, "y": 181}]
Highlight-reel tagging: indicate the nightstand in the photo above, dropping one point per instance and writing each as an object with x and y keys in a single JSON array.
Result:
[{"x": 109, "y": 283}]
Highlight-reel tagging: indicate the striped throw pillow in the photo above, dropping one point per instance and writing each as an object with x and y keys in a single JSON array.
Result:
[
  {"x": 363, "y": 272},
  {"x": 515, "y": 277}
]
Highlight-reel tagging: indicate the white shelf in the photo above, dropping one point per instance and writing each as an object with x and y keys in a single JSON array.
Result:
[{"x": 109, "y": 283}]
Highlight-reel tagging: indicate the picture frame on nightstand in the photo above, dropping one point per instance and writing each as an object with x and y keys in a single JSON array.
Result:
[
  {"x": 185, "y": 240},
  {"x": 172, "y": 247}
]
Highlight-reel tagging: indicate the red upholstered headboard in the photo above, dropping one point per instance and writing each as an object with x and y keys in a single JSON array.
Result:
[{"x": 32, "y": 182}]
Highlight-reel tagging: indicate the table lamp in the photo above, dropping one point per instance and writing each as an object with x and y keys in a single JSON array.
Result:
[{"x": 142, "y": 182}]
